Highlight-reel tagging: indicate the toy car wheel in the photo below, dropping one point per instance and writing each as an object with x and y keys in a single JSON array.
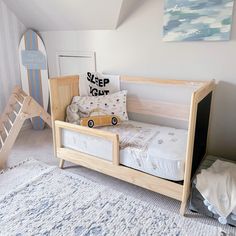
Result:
[
  {"x": 90, "y": 123},
  {"x": 114, "y": 120}
]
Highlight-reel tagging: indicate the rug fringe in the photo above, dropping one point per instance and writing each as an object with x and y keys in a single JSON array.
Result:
[{"x": 14, "y": 166}]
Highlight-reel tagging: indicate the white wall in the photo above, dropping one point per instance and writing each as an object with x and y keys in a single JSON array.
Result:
[
  {"x": 11, "y": 30},
  {"x": 136, "y": 48}
]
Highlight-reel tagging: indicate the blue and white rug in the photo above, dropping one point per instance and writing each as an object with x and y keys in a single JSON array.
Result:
[{"x": 49, "y": 201}]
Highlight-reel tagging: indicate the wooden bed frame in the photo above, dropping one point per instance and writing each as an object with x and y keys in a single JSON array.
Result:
[{"x": 63, "y": 89}]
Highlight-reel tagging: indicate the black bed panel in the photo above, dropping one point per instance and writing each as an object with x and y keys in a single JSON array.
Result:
[{"x": 202, "y": 123}]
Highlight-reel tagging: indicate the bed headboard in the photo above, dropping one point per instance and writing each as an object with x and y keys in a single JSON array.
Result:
[{"x": 62, "y": 90}]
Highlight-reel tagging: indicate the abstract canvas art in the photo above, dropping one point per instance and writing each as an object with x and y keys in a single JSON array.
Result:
[{"x": 197, "y": 20}]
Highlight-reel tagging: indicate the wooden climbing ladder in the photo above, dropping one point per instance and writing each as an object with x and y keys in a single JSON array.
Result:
[{"x": 19, "y": 108}]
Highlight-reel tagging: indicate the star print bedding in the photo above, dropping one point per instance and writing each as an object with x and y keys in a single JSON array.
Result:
[
  {"x": 153, "y": 149},
  {"x": 112, "y": 104}
]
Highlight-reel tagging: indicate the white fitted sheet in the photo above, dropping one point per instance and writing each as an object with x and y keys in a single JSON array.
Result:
[{"x": 157, "y": 150}]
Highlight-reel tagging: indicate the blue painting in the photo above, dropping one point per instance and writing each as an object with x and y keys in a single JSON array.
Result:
[{"x": 197, "y": 20}]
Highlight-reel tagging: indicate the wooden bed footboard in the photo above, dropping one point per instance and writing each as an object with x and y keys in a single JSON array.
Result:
[
  {"x": 63, "y": 89},
  {"x": 199, "y": 119}
]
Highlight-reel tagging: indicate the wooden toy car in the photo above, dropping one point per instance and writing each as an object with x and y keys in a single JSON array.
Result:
[{"x": 100, "y": 120}]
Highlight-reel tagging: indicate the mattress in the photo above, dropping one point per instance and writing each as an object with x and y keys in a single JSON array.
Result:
[{"x": 153, "y": 149}]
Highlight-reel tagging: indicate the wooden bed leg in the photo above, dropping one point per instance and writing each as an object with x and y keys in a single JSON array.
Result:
[
  {"x": 183, "y": 208},
  {"x": 61, "y": 164},
  {"x": 186, "y": 193}
]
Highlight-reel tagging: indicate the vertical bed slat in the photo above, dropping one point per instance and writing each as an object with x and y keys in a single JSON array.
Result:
[{"x": 116, "y": 150}]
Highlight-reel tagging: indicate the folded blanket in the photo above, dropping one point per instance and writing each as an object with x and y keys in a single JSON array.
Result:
[
  {"x": 96, "y": 84},
  {"x": 217, "y": 184}
]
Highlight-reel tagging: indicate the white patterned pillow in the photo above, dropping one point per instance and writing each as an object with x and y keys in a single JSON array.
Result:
[{"x": 112, "y": 104}]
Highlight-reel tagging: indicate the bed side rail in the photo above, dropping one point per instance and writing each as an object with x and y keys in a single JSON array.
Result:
[{"x": 114, "y": 138}]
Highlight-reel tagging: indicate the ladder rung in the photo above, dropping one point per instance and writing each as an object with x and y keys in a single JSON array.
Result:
[
  {"x": 1, "y": 140},
  {"x": 21, "y": 93},
  {"x": 19, "y": 101},
  {"x": 9, "y": 119},
  {"x": 15, "y": 113},
  {"x": 5, "y": 129}
]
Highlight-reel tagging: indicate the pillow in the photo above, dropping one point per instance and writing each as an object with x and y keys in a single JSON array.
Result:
[
  {"x": 112, "y": 104},
  {"x": 97, "y": 84}
]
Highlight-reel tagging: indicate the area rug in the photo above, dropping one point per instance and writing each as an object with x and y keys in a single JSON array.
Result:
[{"x": 51, "y": 201}]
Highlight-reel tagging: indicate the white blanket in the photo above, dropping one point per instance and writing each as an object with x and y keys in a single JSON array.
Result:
[
  {"x": 96, "y": 84},
  {"x": 217, "y": 184}
]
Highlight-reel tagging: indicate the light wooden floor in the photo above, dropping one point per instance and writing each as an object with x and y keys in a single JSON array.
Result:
[{"x": 38, "y": 145}]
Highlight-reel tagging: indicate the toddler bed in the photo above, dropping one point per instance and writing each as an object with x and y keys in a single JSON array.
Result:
[{"x": 160, "y": 158}]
